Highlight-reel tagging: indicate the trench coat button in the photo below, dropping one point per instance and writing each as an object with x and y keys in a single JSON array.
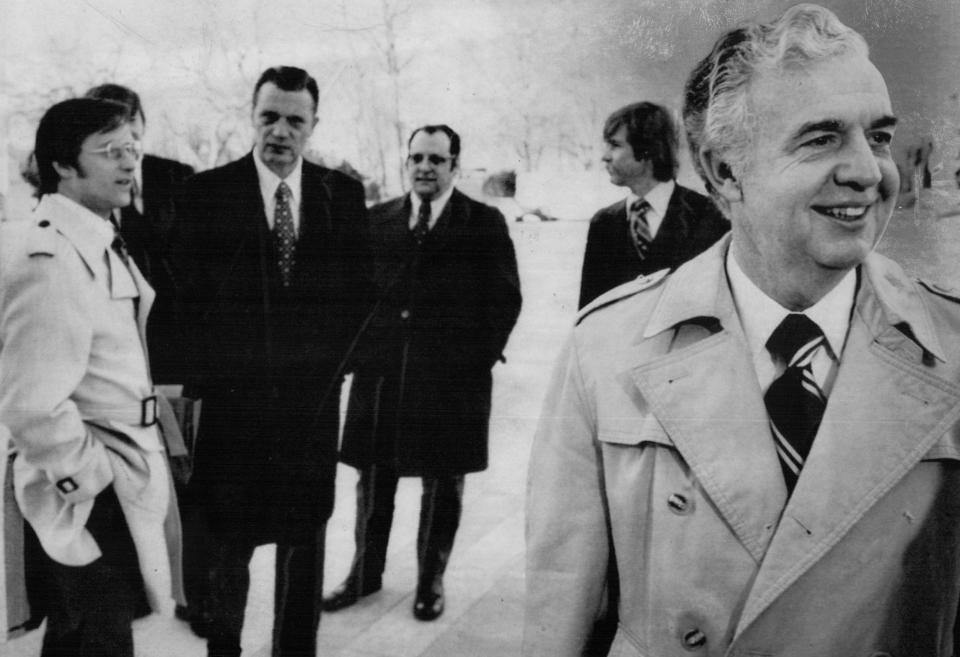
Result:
[
  {"x": 694, "y": 639},
  {"x": 680, "y": 504},
  {"x": 404, "y": 314}
]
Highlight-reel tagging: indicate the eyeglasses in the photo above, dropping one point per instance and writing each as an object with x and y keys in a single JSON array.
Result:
[
  {"x": 435, "y": 160},
  {"x": 115, "y": 152}
]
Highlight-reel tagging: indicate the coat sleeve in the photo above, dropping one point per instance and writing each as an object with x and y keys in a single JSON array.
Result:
[
  {"x": 46, "y": 335},
  {"x": 567, "y": 539},
  {"x": 593, "y": 259},
  {"x": 502, "y": 298}
]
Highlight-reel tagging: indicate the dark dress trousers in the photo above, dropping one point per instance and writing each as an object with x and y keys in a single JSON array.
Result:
[
  {"x": 692, "y": 224},
  {"x": 420, "y": 403},
  {"x": 264, "y": 356},
  {"x": 146, "y": 236}
]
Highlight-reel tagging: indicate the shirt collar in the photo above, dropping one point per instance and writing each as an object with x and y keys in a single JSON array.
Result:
[
  {"x": 436, "y": 206},
  {"x": 886, "y": 298},
  {"x": 659, "y": 200},
  {"x": 269, "y": 181},
  {"x": 760, "y": 315},
  {"x": 90, "y": 233},
  {"x": 658, "y": 197}
]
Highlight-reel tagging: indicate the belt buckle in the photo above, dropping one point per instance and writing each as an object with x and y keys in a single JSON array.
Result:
[{"x": 148, "y": 411}]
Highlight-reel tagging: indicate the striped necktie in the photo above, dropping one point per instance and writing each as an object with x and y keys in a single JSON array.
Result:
[
  {"x": 284, "y": 231},
  {"x": 639, "y": 228},
  {"x": 795, "y": 403}
]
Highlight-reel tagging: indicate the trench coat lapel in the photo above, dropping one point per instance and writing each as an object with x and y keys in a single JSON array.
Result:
[
  {"x": 147, "y": 297},
  {"x": 886, "y": 411},
  {"x": 720, "y": 429}
]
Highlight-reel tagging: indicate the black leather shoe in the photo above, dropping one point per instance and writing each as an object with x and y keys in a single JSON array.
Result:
[
  {"x": 429, "y": 603},
  {"x": 348, "y": 593}
]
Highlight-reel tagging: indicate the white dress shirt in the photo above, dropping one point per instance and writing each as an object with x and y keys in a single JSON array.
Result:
[
  {"x": 659, "y": 200},
  {"x": 436, "y": 207},
  {"x": 760, "y": 315},
  {"x": 269, "y": 181}
]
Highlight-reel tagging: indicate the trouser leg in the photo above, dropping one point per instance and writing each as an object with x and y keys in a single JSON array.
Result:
[
  {"x": 440, "y": 508},
  {"x": 227, "y": 586},
  {"x": 376, "y": 491},
  {"x": 90, "y": 608},
  {"x": 298, "y": 596}
]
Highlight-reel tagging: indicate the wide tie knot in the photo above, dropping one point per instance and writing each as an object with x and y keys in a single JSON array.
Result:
[
  {"x": 796, "y": 337},
  {"x": 640, "y": 207},
  {"x": 283, "y": 191}
]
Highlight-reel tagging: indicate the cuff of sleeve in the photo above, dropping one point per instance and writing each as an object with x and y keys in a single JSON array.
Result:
[{"x": 86, "y": 483}]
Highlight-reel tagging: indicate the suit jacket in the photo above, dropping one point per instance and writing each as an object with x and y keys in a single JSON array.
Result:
[
  {"x": 73, "y": 380},
  {"x": 263, "y": 355},
  {"x": 655, "y": 450},
  {"x": 421, "y": 403},
  {"x": 146, "y": 237},
  {"x": 692, "y": 223}
]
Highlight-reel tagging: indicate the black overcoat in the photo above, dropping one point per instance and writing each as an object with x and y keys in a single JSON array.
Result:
[
  {"x": 264, "y": 355},
  {"x": 691, "y": 225},
  {"x": 421, "y": 401}
]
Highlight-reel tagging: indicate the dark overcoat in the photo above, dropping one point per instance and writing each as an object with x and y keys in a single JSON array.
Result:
[
  {"x": 146, "y": 237},
  {"x": 421, "y": 402},
  {"x": 263, "y": 356},
  {"x": 691, "y": 225}
]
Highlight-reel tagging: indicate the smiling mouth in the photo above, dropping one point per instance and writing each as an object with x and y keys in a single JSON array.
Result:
[{"x": 843, "y": 213}]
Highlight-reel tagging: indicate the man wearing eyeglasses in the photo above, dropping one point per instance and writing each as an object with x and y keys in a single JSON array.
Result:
[
  {"x": 420, "y": 406},
  {"x": 278, "y": 260},
  {"x": 75, "y": 390}
]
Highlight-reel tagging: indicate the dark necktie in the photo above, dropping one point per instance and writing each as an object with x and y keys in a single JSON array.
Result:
[
  {"x": 422, "y": 227},
  {"x": 119, "y": 245},
  {"x": 794, "y": 401},
  {"x": 639, "y": 228},
  {"x": 284, "y": 231}
]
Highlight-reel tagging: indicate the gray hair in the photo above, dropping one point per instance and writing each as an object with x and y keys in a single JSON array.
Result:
[{"x": 716, "y": 116}]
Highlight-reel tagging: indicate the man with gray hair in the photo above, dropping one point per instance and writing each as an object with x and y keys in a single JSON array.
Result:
[{"x": 765, "y": 442}]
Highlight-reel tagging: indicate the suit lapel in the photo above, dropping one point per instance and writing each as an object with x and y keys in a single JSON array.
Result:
[
  {"x": 673, "y": 230},
  {"x": 862, "y": 450},
  {"x": 147, "y": 297},
  {"x": 455, "y": 214}
]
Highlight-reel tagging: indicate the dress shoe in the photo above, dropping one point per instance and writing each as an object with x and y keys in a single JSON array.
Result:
[
  {"x": 429, "y": 602},
  {"x": 348, "y": 593}
]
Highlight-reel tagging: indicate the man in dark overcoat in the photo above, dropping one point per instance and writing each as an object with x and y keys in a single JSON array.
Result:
[
  {"x": 420, "y": 405},
  {"x": 278, "y": 252},
  {"x": 661, "y": 224}
]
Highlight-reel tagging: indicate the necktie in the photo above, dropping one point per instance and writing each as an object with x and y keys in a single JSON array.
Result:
[
  {"x": 119, "y": 245},
  {"x": 639, "y": 228},
  {"x": 794, "y": 401},
  {"x": 284, "y": 232},
  {"x": 422, "y": 227}
]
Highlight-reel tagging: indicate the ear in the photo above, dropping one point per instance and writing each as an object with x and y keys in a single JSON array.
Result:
[
  {"x": 65, "y": 172},
  {"x": 721, "y": 176}
]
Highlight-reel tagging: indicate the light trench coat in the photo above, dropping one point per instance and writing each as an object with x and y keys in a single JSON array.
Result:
[
  {"x": 73, "y": 377},
  {"x": 654, "y": 449}
]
